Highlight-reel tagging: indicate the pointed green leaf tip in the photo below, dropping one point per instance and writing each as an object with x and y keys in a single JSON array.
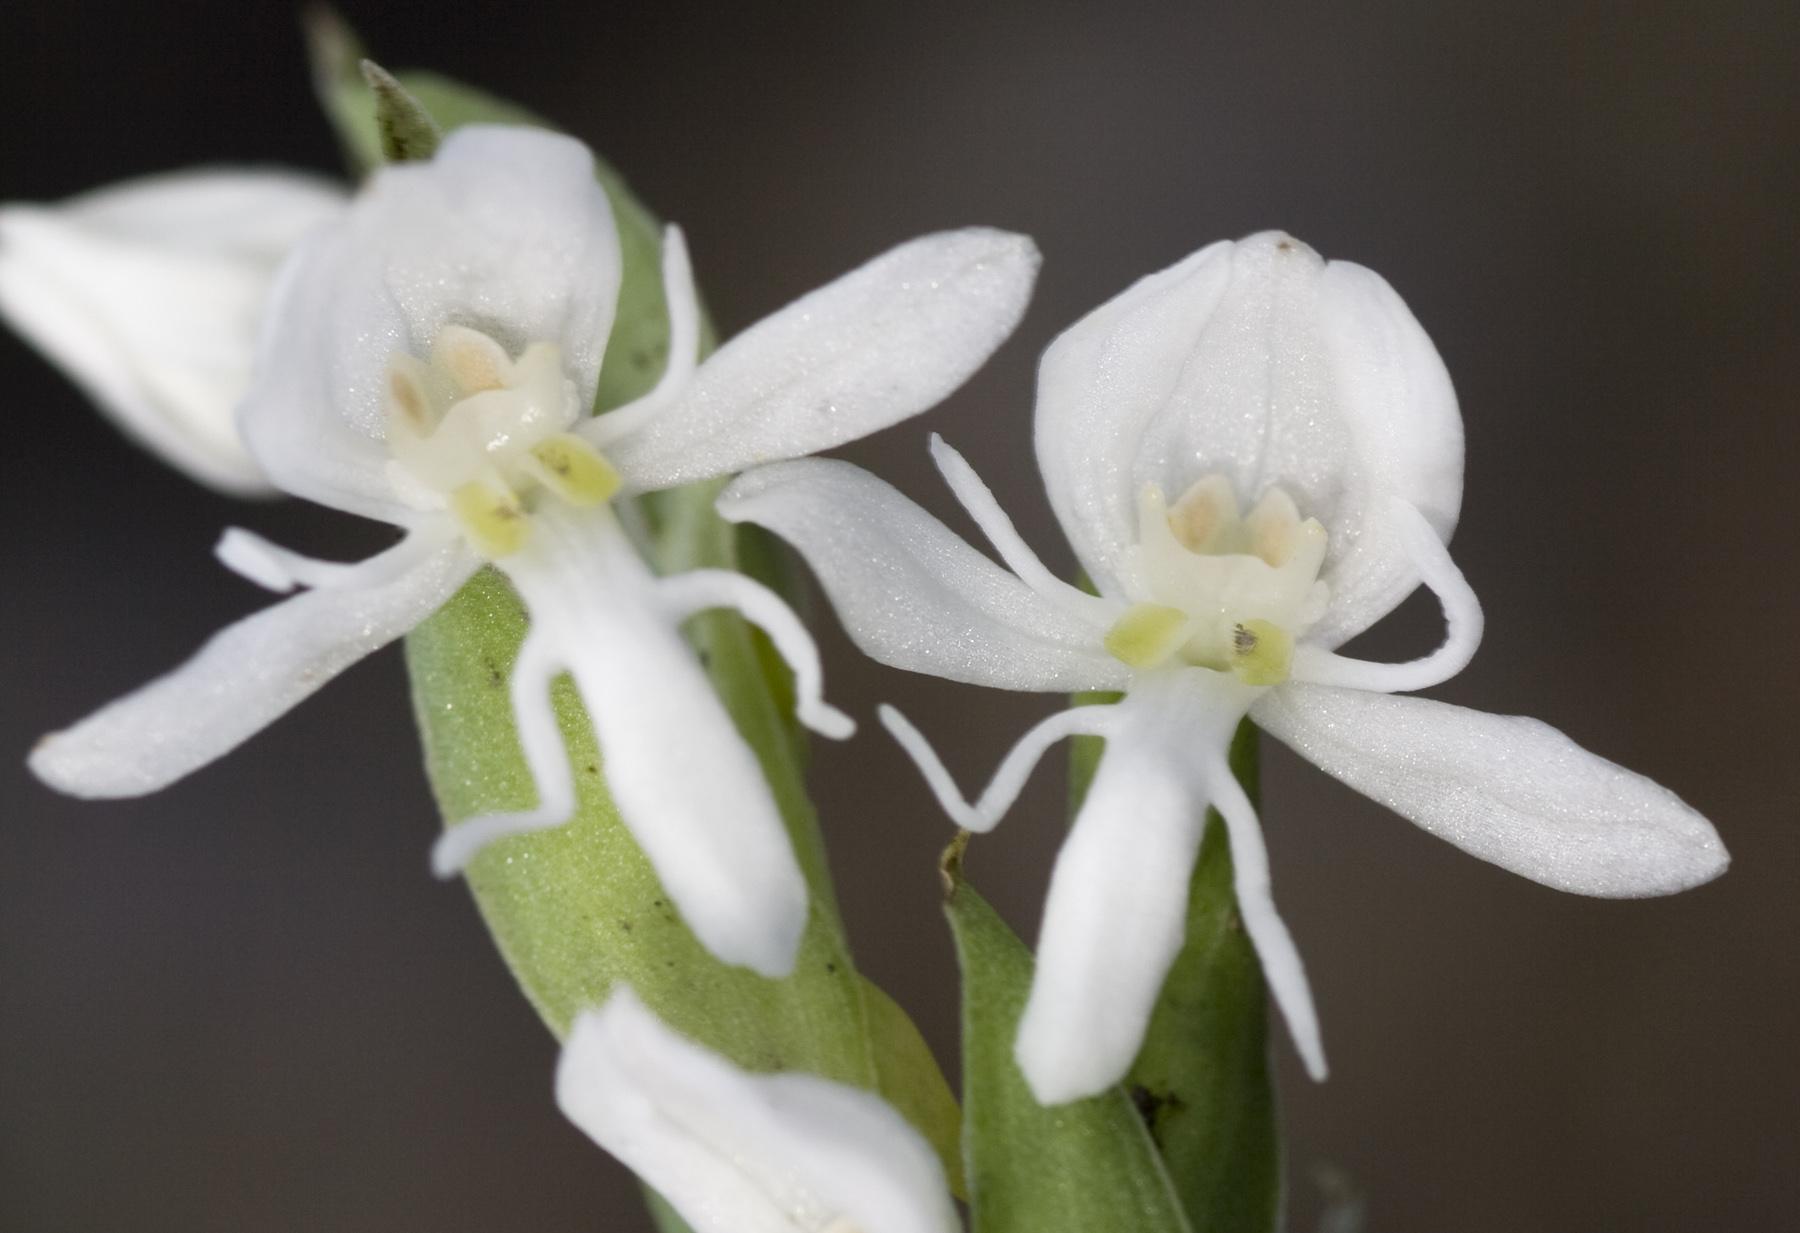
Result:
[
  {"x": 408, "y": 133},
  {"x": 1075, "y": 1168}
]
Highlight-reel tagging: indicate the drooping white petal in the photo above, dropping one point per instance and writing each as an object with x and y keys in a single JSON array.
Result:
[
  {"x": 1009, "y": 780},
  {"x": 1508, "y": 789},
  {"x": 1463, "y": 622},
  {"x": 1275, "y": 949},
  {"x": 884, "y": 342},
  {"x": 505, "y": 231},
  {"x": 910, "y": 592},
  {"x": 148, "y": 295},
  {"x": 684, "y": 595},
  {"x": 736, "y": 1152},
  {"x": 247, "y": 676},
  {"x": 278, "y": 569},
  {"x": 1258, "y": 361},
  {"x": 684, "y": 782},
  {"x": 1115, "y": 917}
]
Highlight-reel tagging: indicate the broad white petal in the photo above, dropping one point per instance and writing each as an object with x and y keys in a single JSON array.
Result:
[
  {"x": 910, "y": 592},
  {"x": 1015, "y": 769},
  {"x": 246, "y": 676},
  {"x": 1508, "y": 789},
  {"x": 1258, "y": 361},
  {"x": 505, "y": 230},
  {"x": 149, "y": 294},
  {"x": 684, "y": 782},
  {"x": 884, "y": 342},
  {"x": 1115, "y": 917},
  {"x": 1463, "y": 622},
  {"x": 736, "y": 1152}
]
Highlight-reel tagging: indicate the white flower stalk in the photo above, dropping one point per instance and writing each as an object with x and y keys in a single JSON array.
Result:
[
  {"x": 430, "y": 361},
  {"x": 736, "y": 1152},
  {"x": 1251, "y": 375},
  {"x": 148, "y": 295}
]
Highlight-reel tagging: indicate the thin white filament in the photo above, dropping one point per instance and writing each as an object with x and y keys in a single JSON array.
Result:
[
  {"x": 682, "y": 595},
  {"x": 978, "y": 499},
  {"x": 1268, "y": 934},
  {"x": 1009, "y": 780},
  {"x": 684, "y": 349},
  {"x": 1463, "y": 623},
  {"x": 541, "y": 739}
]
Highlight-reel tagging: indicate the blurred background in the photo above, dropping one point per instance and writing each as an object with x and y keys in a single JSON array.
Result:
[{"x": 244, "y": 1004}]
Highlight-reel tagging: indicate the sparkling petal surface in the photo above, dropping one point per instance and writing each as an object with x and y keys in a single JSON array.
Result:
[
  {"x": 246, "y": 676},
  {"x": 1508, "y": 789},
  {"x": 884, "y": 342},
  {"x": 910, "y": 592}
]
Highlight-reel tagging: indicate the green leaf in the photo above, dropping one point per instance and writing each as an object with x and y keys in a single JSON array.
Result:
[
  {"x": 408, "y": 133},
  {"x": 666, "y": 1218},
  {"x": 1075, "y": 1168},
  {"x": 1202, "y": 1080},
  {"x": 911, "y": 1081}
]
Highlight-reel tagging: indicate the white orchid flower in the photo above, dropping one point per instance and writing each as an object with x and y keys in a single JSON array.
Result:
[
  {"x": 148, "y": 295},
  {"x": 736, "y": 1152},
  {"x": 430, "y": 361},
  {"x": 1251, "y": 372}
]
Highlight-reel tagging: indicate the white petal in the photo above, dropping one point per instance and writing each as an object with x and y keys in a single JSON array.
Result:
[
  {"x": 1258, "y": 361},
  {"x": 1508, "y": 789},
  {"x": 910, "y": 592},
  {"x": 684, "y": 782},
  {"x": 247, "y": 676},
  {"x": 736, "y": 1152},
  {"x": 1015, "y": 769},
  {"x": 505, "y": 230},
  {"x": 1116, "y": 914},
  {"x": 149, "y": 294},
  {"x": 1463, "y": 622},
  {"x": 884, "y": 342}
]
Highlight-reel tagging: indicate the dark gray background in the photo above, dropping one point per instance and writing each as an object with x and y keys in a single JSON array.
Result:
[{"x": 243, "y": 1004}]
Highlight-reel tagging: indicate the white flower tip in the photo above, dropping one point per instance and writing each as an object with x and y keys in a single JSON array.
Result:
[
  {"x": 246, "y": 556},
  {"x": 1054, "y": 1073},
  {"x": 827, "y": 721},
  {"x": 458, "y": 846},
  {"x": 48, "y": 760}
]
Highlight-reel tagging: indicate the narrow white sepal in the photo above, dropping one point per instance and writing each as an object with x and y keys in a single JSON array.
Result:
[
  {"x": 1463, "y": 622},
  {"x": 1268, "y": 933},
  {"x": 883, "y": 343},
  {"x": 685, "y": 594},
  {"x": 1009, "y": 780},
  {"x": 910, "y": 592},
  {"x": 978, "y": 500},
  {"x": 683, "y": 302},
  {"x": 1505, "y": 788},
  {"x": 684, "y": 781},
  {"x": 244, "y": 678},
  {"x": 736, "y": 1152},
  {"x": 148, "y": 295}
]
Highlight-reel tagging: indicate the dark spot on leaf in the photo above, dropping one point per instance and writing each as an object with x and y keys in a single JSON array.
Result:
[
  {"x": 625, "y": 924},
  {"x": 1154, "y": 1108},
  {"x": 831, "y": 967}
]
